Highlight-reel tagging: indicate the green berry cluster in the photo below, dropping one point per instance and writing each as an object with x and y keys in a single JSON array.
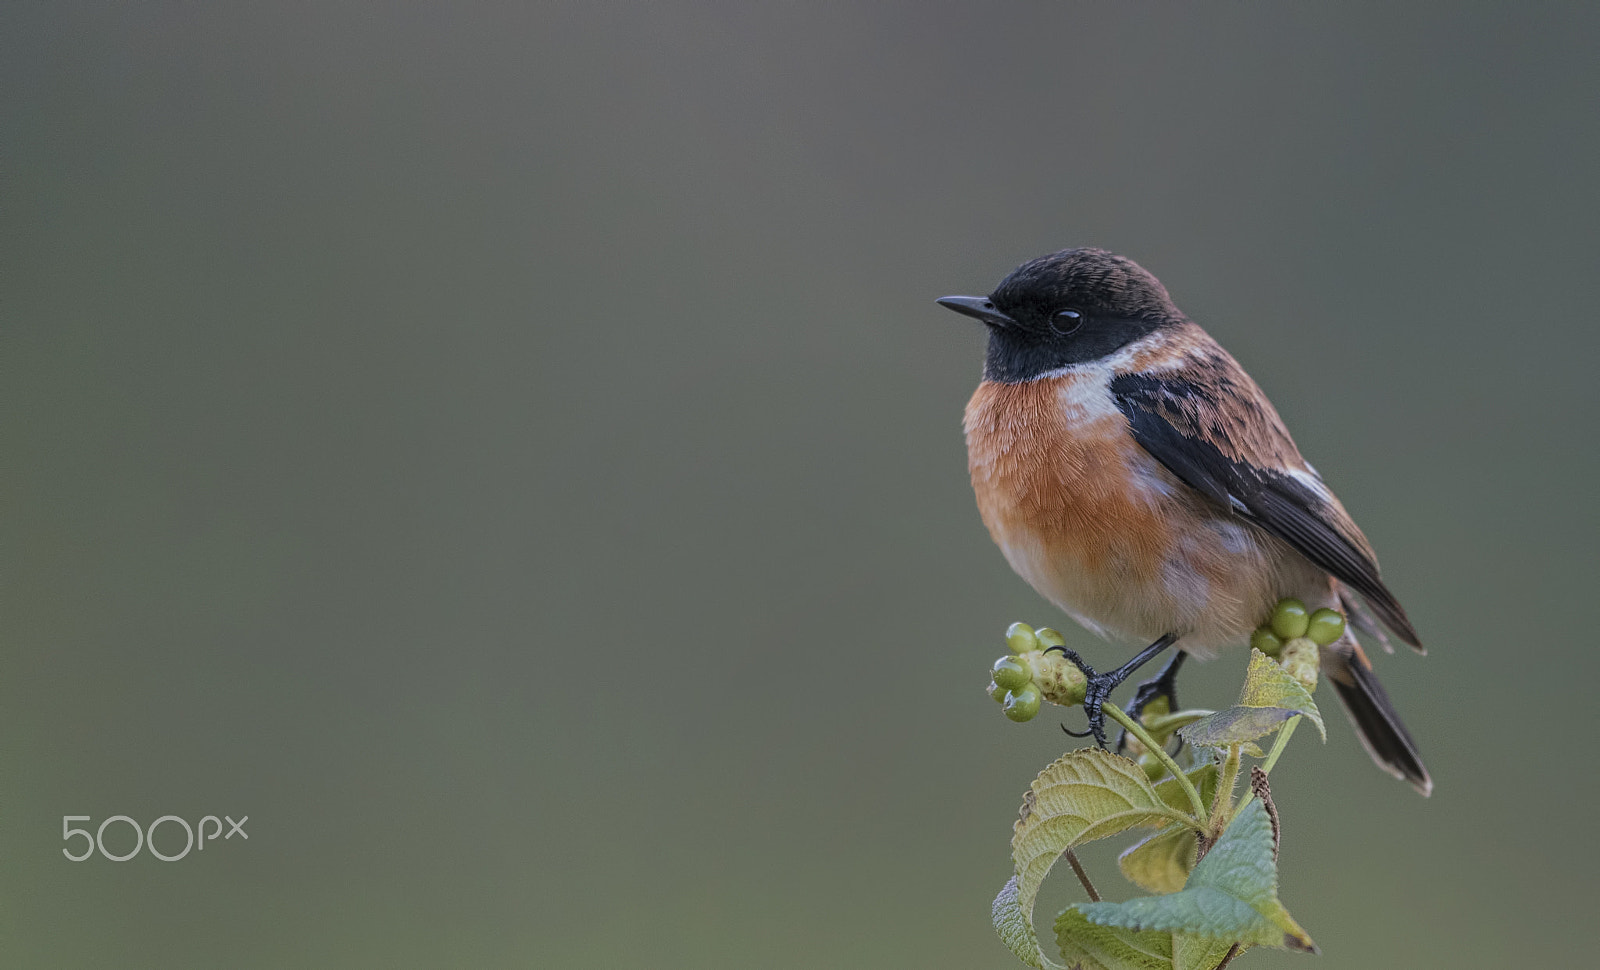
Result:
[
  {"x": 1028, "y": 675},
  {"x": 1292, "y": 635}
]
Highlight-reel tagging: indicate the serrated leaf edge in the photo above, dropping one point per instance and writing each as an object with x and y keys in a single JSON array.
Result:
[
  {"x": 1038, "y": 839},
  {"x": 1266, "y": 906}
]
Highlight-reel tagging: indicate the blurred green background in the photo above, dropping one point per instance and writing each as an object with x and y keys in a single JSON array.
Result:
[{"x": 511, "y": 453}]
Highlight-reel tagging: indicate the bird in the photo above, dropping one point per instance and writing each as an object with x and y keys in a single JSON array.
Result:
[{"x": 1133, "y": 473}]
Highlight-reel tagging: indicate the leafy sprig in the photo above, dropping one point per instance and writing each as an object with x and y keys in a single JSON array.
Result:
[{"x": 1208, "y": 861}]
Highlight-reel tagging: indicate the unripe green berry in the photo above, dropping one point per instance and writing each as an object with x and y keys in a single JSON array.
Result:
[
  {"x": 1325, "y": 626},
  {"x": 1289, "y": 619},
  {"x": 1266, "y": 641},
  {"x": 1020, "y": 638},
  {"x": 997, "y": 692},
  {"x": 1023, "y": 704},
  {"x": 1012, "y": 673},
  {"x": 1049, "y": 637}
]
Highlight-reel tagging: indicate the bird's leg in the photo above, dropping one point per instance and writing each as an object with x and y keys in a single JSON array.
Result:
[
  {"x": 1098, "y": 687},
  {"x": 1164, "y": 684}
]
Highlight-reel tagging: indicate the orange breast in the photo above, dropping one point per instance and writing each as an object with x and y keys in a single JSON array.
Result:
[
  {"x": 1103, "y": 530},
  {"x": 1053, "y": 468}
]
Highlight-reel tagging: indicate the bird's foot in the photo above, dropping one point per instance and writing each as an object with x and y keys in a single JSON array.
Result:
[
  {"x": 1098, "y": 687},
  {"x": 1162, "y": 685}
]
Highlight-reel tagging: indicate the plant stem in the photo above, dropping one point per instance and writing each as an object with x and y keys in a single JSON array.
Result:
[
  {"x": 1137, "y": 730},
  {"x": 1083, "y": 877},
  {"x": 1278, "y": 744},
  {"x": 1220, "y": 805}
]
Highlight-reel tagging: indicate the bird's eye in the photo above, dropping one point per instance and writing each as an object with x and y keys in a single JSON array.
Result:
[{"x": 1064, "y": 322}]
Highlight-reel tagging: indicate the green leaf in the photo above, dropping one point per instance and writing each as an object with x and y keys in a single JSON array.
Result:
[
  {"x": 1161, "y": 863},
  {"x": 1267, "y": 684},
  {"x": 1269, "y": 698},
  {"x": 1082, "y": 796},
  {"x": 1204, "y": 779},
  {"x": 1199, "y": 953},
  {"x": 1231, "y": 896},
  {"x": 1088, "y": 946},
  {"x": 1014, "y": 923},
  {"x": 1162, "y": 726},
  {"x": 1236, "y": 725}
]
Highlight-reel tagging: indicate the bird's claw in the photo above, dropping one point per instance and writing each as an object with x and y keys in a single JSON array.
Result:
[
  {"x": 1164, "y": 684},
  {"x": 1096, "y": 688}
]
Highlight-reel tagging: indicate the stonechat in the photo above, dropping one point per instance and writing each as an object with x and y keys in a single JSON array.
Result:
[{"x": 1133, "y": 473}]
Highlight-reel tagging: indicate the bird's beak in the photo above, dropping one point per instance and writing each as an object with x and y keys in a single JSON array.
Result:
[{"x": 978, "y": 308}]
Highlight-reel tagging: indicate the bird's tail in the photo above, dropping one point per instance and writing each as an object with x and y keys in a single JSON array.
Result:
[{"x": 1377, "y": 724}]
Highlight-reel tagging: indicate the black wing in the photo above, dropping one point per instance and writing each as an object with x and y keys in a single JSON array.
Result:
[{"x": 1214, "y": 429}]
